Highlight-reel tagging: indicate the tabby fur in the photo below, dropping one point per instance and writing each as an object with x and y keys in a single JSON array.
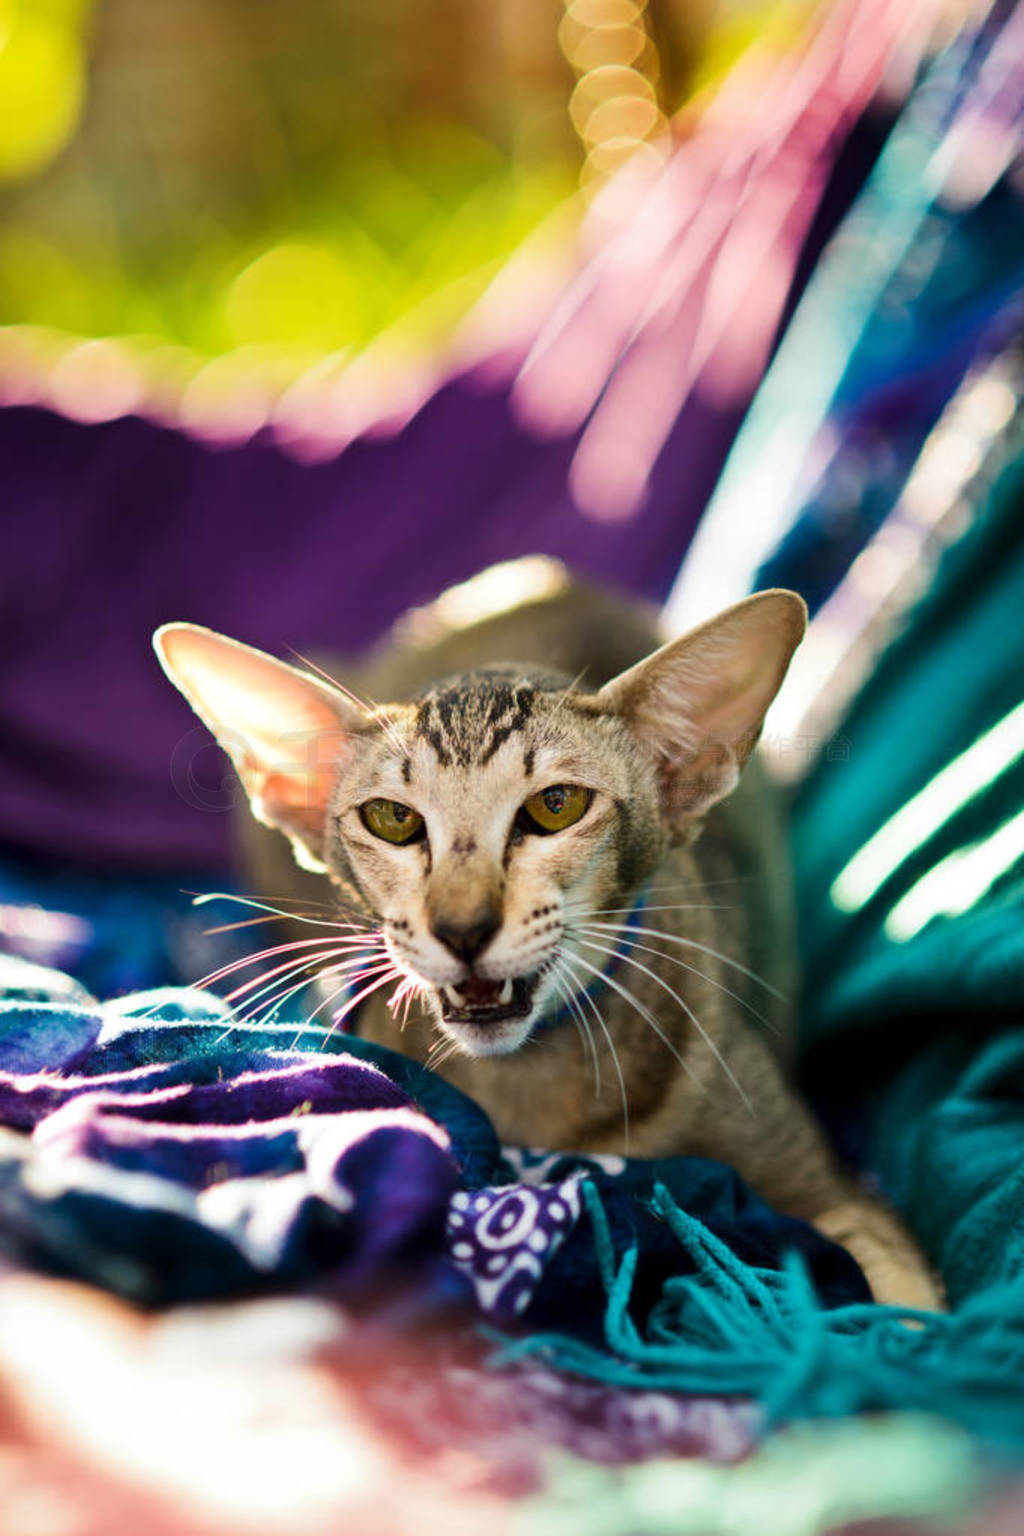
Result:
[{"x": 652, "y": 1030}]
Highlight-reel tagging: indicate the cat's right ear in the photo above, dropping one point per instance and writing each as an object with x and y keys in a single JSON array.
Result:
[
  {"x": 699, "y": 703},
  {"x": 283, "y": 729}
]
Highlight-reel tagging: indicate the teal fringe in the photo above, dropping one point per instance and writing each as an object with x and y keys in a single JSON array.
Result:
[{"x": 734, "y": 1330}]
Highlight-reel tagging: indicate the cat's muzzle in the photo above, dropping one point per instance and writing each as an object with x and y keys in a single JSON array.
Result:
[{"x": 477, "y": 1001}]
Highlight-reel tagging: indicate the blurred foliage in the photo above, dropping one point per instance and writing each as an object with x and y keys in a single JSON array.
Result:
[{"x": 229, "y": 174}]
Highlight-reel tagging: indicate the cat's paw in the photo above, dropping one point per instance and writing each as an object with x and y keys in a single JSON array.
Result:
[{"x": 897, "y": 1272}]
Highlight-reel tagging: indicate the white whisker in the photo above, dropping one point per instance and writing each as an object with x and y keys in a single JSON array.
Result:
[
  {"x": 353, "y": 967},
  {"x": 439, "y": 1053},
  {"x": 389, "y": 973},
  {"x": 566, "y": 960},
  {"x": 280, "y": 989},
  {"x": 342, "y": 944},
  {"x": 403, "y": 995},
  {"x": 566, "y": 992},
  {"x": 629, "y": 959},
  {"x": 635, "y": 1003},
  {"x": 329, "y": 953},
  {"x": 369, "y": 706},
  {"x": 681, "y": 906},
  {"x": 274, "y": 1004},
  {"x": 694, "y": 970},
  {"x": 292, "y": 917},
  {"x": 417, "y": 992},
  {"x": 675, "y": 938}
]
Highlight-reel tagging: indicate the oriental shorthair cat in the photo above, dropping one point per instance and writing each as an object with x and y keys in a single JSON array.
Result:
[{"x": 555, "y": 870}]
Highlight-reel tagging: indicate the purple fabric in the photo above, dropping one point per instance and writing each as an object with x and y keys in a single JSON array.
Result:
[
  {"x": 161, "y": 1147},
  {"x": 113, "y": 529},
  {"x": 211, "y": 1156},
  {"x": 444, "y": 1398},
  {"x": 602, "y": 448}
]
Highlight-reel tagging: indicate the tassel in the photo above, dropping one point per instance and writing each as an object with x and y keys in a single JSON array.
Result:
[{"x": 735, "y": 1330}]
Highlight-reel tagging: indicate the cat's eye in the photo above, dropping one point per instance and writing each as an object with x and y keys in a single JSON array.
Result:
[
  {"x": 555, "y": 808},
  {"x": 391, "y": 820}
]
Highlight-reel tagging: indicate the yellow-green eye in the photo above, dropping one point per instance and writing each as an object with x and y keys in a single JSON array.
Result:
[
  {"x": 555, "y": 808},
  {"x": 391, "y": 820}
]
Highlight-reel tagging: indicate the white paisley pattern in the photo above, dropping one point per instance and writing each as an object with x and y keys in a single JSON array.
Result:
[{"x": 503, "y": 1238}]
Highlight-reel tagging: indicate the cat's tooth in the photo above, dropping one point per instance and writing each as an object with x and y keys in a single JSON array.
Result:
[
  {"x": 452, "y": 995},
  {"x": 506, "y": 992}
]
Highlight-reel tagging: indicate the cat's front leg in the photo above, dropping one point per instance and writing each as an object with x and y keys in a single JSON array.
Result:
[{"x": 781, "y": 1149}]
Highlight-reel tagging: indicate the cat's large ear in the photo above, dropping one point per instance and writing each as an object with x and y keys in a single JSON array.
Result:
[
  {"x": 283, "y": 729},
  {"x": 699, "y": 703}
]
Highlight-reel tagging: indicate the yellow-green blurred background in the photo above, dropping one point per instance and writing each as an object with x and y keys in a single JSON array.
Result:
[{"x": 224, "y": 174}]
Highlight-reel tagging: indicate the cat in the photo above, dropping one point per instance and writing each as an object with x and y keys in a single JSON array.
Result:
[{"x": 563, "y": 891}]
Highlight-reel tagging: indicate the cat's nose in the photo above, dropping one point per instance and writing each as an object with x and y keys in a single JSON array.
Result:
[{"x": 467, "y": 940}]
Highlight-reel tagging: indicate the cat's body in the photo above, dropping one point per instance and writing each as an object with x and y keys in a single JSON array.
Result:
[{"x": 596, "y": 915}]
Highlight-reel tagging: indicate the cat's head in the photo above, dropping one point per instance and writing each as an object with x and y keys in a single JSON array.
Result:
[{"x": 476, "y": 822}]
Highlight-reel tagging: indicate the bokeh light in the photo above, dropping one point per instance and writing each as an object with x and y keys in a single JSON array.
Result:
[
  {"x": 42, "y": 81},
  {"x": 614, "y": 107},
  {"x": 295, "y": 292},
  {"x": 223, "y": 179}
]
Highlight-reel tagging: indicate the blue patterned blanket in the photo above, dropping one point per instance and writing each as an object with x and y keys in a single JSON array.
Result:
[
  {"x": 158, "y": 1146},
  {"x": 162, "y": 1147}
]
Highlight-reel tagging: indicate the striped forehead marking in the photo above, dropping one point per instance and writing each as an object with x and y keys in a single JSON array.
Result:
[{"x": 466, "y": 723}]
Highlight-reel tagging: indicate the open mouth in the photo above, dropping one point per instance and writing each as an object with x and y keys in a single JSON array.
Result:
[{"x": 476, "y": 1001}]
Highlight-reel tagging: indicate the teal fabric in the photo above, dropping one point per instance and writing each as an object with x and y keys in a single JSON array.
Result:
[
  {"x": 927, "y": 1035},
  {"x": 954, "y": 673},
  {"x": 948, "y": 1138}
]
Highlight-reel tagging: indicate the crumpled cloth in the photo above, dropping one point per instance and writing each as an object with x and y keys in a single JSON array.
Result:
[{"x": 160, "y": 1148}]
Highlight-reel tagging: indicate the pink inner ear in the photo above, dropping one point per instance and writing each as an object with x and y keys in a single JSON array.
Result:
[{"x": 283, "y": 729}]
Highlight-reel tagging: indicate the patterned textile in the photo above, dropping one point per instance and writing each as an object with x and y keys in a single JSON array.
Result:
[
  {"x": 502, "y": 1238},
  {"x": 158, "y": 1148},
  {"x": 161, "y": 1148}
]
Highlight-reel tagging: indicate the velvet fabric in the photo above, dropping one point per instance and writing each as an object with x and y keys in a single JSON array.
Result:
[{"x": 914, "y": 1038}]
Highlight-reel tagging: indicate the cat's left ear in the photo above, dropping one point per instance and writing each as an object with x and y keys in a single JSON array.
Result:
[
  {"x": 284, "y": 730},
  {"x": 699, "y": 703}
]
